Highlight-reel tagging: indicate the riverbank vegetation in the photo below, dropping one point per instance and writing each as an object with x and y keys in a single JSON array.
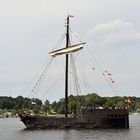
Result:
[{"x": 36, "y": 106}]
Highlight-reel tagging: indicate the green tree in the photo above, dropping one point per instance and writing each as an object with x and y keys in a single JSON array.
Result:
[
  {"x": 19, "y": 101},
  {"x": 54, "y": 106},
  {"x": 46, "y": 106},
  {"x": 36, "y": 109},
  {"x": 120, "y": 104},
  {"x": 92, "y": 100},
  {"x": 109, "y": 103},
  {"x": 6, "y": 102},
  {"x": 1, "y": 111},
  {"x": 73, "y": 104},
  {"x": 60, "y": 106}
]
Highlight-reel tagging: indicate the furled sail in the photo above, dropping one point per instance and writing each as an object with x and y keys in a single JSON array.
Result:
[{"x": 70, "y": 49}]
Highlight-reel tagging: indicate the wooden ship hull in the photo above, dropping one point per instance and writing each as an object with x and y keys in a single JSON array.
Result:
[{"x": 87, "y": 118}]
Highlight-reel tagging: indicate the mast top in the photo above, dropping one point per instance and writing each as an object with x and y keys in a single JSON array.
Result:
[{"x": 70, "y": 16}]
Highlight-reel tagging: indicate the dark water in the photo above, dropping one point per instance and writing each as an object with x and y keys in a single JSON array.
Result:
[{"x": 13, "y": 129}]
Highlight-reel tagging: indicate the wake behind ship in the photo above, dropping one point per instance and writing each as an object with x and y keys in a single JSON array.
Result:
[{"x": 85, "y": 117}]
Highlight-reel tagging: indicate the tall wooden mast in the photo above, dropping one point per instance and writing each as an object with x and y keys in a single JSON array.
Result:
[
  {"x": 68, "y": 49},
  {"x": 66, "y": 70}
]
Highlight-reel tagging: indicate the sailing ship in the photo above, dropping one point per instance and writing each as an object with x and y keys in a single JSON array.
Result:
[{"x": 86, "y": 117}]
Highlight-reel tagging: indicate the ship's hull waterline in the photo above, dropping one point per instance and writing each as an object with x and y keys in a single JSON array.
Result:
[{"x": 87, "y": 118}]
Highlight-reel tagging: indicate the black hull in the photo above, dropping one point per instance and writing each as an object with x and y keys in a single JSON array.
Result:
[{"x": 88, "y": 119}]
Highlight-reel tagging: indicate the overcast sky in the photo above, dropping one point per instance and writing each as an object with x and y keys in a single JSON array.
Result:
[{"x": 29, "y": 30}]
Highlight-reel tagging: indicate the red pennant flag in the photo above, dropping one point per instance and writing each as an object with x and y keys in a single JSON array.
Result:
[
  {"x": 109, "y": 74},
  {"x": 113, "y": 81}
]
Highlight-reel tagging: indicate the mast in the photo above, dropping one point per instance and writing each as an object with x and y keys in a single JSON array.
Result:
[
  {"x": 66, "y": 69},
  {"x": 68, "y": 49}
]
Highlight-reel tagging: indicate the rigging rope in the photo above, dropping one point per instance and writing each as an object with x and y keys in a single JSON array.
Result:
[
  {"x": 82, "y": 70},
  {"x": 101, "y": 71},
  {"x": 58, "y": 44},
  {"x": 45, "y": 69},
  {"x": 52, "y": 86},
  {"x": 41, "y": 76},
  {"x": 34, "y": 78},
  {"x": 75, "y": 76},
  {"x": 75, "y": 35}
]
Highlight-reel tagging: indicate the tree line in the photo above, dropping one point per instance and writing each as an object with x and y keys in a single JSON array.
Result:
[{"x": 91, "y": 100}]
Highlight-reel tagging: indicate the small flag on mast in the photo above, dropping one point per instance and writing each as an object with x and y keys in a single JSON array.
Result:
[
  {"x": 129, "y": 100},
  {"x": 71, "y": 16}
]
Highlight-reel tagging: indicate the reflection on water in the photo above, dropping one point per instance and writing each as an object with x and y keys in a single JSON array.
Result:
[{"x": 13, "y": 129}]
